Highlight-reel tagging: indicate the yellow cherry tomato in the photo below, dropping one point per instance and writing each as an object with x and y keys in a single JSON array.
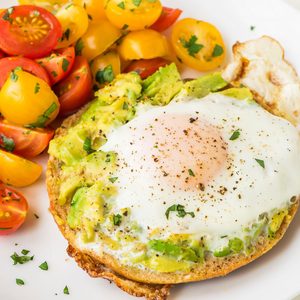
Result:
[
  {"x": 143, "y": 44},
  {"x": 28, "y": 100},
  {"x": 133, "y": 14},
  {"x": 98, "y": 38},
  {"x": 105, "y": 68},
  {"x": 51, "y": 5},
  {"x": 17, "y": 171},
  {"x": 94, "y": 8},
  {"x": 74, "y": 21},
  {"x": 198, "y": 44}
]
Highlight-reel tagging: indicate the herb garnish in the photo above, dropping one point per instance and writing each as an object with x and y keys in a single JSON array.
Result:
[
  {"x": 13, "y": 76},
  {"x": 66, "y": 290},
  {"x": 79, "y": 47},
  {"x": 191, "y": 45},
  {"x": 252, "y": 27},
  {"x": 19, "y": 281},
  {"x": 44, "y": 266},
  {"x": 65, "y": 65},
  {"x": 87, "y": 145},
  {"x": 54, "y": 74},
  {"x": 42, "y": 120},
  {"x": 122, "y": 5},
  {"x": 136, "y": 2},
  {"x": 260, "y": 162},
  {"x": 105, "y": 75},
  {"x": 8, "y": 143},
  {"x": 66, "y": 34},
  {"x": 181, "y": 213},
  {"x": 113, "y": 179},
  {"x": 117, "y": 219},
  {"x": 191, "y": 173},
  {"x": 218, "y": 51},
  {"x": 37, "y": 88},
  {"x": 20, "y": 259},
  {"x": 6, "y": 16},
  {"x": 25, "y": 252},
  {"x": 235, "y": 135}
]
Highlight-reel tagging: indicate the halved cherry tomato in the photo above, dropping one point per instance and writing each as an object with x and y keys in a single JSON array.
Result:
[
  {"x": 17, "y": 171},
  {"x": 24, "y": 141},
  {"x": 58, "y": 64},
  {"x": 94, "y": 8},
  {"x": 75, "y": 90},
  {"x": 146, "y": 67},
  {"x": 13, "y": 210},
  {"x": 28, "y": 30},
  {"x": 2, "y": 54},
  {"x": 167, "y": 18},
  {"x": 8, "y": 64},
  {"x": 143, "y": 44},
  {"x": 51, "y": 5}
]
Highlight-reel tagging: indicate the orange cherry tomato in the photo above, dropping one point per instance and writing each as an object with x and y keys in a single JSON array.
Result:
[
  {"x": 13, "y": 210},
  {"x": 24, "y": 141},
  {"x": 167, "y": 18},
  {"x": 58, "y": 64}
]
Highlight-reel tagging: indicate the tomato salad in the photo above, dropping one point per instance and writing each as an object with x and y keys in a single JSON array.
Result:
[{"x": 55, "y": 53}]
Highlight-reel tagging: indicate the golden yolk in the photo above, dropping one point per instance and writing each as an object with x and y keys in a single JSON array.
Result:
[{"x": 187, "y": 152}]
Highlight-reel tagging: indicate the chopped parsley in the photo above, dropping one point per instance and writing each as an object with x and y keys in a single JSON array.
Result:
[
  {"x": 87, "y": 146},
  {"x": 235, "y": 135},
  {"x": 218, "y": 51},
  {"x": 252, "y": 27},
  {"x": 25, "y": 252},
  {"x": 125, "y": 26},
  {"x": 44, "y": 266},
  {"x": 65, "y": 65},
  {"x": 105, "y": 75},
  {"x": 19, "y": 281},
  {"x": 54, "y": 74},
  {"x": 260, "y": 162},
  {"x": 37, "y": 88},
  {"x": 136, "y": 2},
  {"x": 122, "y": 5},
  {"x": 66, "y": 35},
  {"x": 5, "y": 228},
  {"x": 13, "y": 76},
  {"x": 117, "y": 219},
  {"x": 36, "y": 13},
  {"x": 42, "y": 119},
  {"x": 66, "y": 290},
  {"x": 125, "y": 106},
  {"x": 79, "y": 47},
  {"x": 191, "y": 45},
  {"x": 6, "y": 16},
  {"x": 20, "y": 259},
  {"x": 113, "y": 179},
  {"x": 7, "y": 144},
  {"x": 191, "y": 173},
  {"x": 181, "y": 213}
]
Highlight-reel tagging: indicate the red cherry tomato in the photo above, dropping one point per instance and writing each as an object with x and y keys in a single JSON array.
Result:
[
  {"x": 24, "y": 141},
  {"x": 8, "y": 64},
  {"x": 167, "y": 18},
  {"x": 58, "y": 64},
  {"x": 146, "y": 67},
  {"x": 29, "y": 31},
  {"x": 75, "y": 90},
  {"x": 13, "y": 210}
]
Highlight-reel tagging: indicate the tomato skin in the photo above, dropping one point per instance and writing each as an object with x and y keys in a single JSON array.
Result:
[
  {"x": 56, "y": 65},
  {"x": 14, "y": 34},
  {"x": 75, "y": 90},
  {"x": 94, "y": 8},
  {"x": 2, "y": 54},
  {"x": 28, "y": 143},
  {"x": 17, "y": 171},
  {"x": 146, "y": 67},
  {"x": 8, "y": 64},
  {"x": 167, "y": 18},
  {"x": 13, "y": 210}
]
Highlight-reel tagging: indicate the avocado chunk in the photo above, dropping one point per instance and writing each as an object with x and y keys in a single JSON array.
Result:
[
  {"x": 276, "y": 222},
  {"x": 162, "y": 86},
  {"x": 204, "y": 85},
  {"x": 238, "y": 93},
  {"x": 165, "y": 264},
  {"x": 235, "y": 245}
]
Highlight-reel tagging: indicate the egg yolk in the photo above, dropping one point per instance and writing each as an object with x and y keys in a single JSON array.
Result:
[{"x": 187, "y": 153}]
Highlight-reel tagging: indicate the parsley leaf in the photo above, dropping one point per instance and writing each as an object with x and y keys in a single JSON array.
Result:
[
  {"x": 105, "y": 75},
  {"x": 20, "y": 259},
  {"x": 37, "y": 88},
  {"x": 191, "y": 173},
  {"x": 19, "y": 281},
  {"x": 44, "y": 266},
  {"x": 117, "y": 219},
  {"x": 54, "y": 74},
  {"x": 65, "y": 65},
  {"x": 42, "y": 119},
  {"x": 122, "y": 5},
  {"x": 66, "y": 35},
  {"x": 181, "y": 213},
  {"x": 66, "y": 290},
  {"x": 113, "y": 179},
  {"x": 136, "y": 2},
  {"x": 79, "y": 47},
  {"x": 25, "y": 252},
  {"x": 252, "y": 27},
  {"x": 7, "y": 144},
  {"x": 87, "y": 146},
  {"x": 218, "y": 51},
  {"x": 260, "y": 162},
  {"x": 191, "y": 45},
  {"x": 235, "y": 135},
  {"x": 6, "y": 16},
  {"x": 13, "y": 76}
]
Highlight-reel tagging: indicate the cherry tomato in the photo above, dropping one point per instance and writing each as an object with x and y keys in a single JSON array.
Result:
[
  {"x": 146, "y": 67},
  {"x": 105, "y": 68},
  {"x": 143, "y": 44},
  {"x": 98, "y": 38},
  {"x": 58, "y": 64},
  {"x": 17, "y": 171},
  {"x": 24, "y": 141},
  {"x": 29, "y": 31},
  {"x": 75, "y": 90},
  {"x": 167, "y": 18},
  {"x": 74, "y": 21},
  {"x": 13, "y": 210},
  {"x": 198, "y": 44},
  {"x": 132, "y": 15},
  {"x": 27, "y": 100},
  {"x": 8, "y": 64},
  {"x": 94, "y": 8},
  {"x": 51, "y": 5}
]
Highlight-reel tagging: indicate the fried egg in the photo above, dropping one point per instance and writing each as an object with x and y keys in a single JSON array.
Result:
[{"x": 225, "y": 161}]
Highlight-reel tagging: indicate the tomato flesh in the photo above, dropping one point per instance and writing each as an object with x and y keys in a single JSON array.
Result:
[
  {"x": 8, "y": 64},
  {"x": 58, "y": 64},
  {"x": 24, "y": 141},
  {"x": 29, "y": 31},
  {"x": 146, "y": 67},
  {"x": 13, "y": 210},
  {"x": 167, "y": 18},
  {"x": 75, "y": 90}
]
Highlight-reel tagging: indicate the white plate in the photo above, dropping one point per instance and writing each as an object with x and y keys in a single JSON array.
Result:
[{"x": 274, "y": 276}]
